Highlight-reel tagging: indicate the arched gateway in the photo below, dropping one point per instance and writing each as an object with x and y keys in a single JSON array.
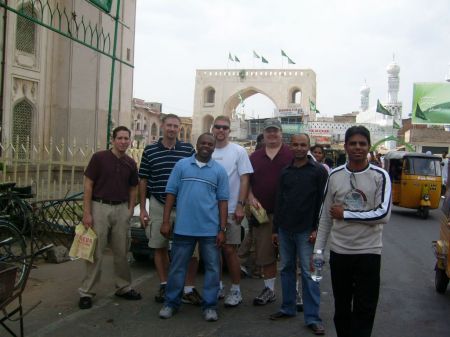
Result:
[{"x": 220, "y": 91}]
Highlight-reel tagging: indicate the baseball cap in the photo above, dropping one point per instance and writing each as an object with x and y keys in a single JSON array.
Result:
[{"x": 272, "y": 123}]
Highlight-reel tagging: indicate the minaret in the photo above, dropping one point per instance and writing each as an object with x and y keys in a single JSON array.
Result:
[
  {"x": 393, "y": 104},
  {"x": 364, "y": 91},
  {"x": 393, "y": 70}
]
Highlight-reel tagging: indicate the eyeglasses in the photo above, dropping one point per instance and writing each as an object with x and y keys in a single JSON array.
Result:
[{"x": 223, "y": 127}]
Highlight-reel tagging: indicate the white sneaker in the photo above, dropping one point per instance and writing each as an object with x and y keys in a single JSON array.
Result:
[
  {"x": 233, "y": 299},
  {"x": 221, "y": 293},
  {"x": 166, "y": 312},
  {"x": 210, "y": 315}
]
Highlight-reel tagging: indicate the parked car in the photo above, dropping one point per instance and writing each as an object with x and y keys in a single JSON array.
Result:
[{"x": 138, "y": 237}]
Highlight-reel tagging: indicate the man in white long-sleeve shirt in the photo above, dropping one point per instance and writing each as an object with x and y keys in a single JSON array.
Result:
[{"x": 357, "y": 203}]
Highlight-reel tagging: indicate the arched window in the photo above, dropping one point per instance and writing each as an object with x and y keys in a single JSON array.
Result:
[
  {"x": 188, "y": 135},
  {"x": 210, "y": 96},
  {"x": 145, "y": 127},
  {"x": 296, "y": 96},
  {"x": 154, "y": 131},
  {"x": 183, "y": 134},
  {"x": 26, "y": 31},
  {"x": 207, "y": 123},
  {"x": 22, "y": 122}
]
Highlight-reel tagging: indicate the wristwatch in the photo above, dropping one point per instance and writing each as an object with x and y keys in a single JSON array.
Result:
[
  {"x": 224, "y": 230},
  {"x": 241, "y": 202}
]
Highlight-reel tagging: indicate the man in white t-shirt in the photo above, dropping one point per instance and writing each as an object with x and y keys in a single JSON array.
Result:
[{"x": 235, "y": 160}]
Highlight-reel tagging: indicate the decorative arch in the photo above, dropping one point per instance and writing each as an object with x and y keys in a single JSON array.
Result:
[
  {"x": 207, "y": 123},
  {"x": 235, "y": 99}
]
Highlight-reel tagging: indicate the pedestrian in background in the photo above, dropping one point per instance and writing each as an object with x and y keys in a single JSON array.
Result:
[
  {"x": 199, "y": 185},
  {"x": 110, "y": 186},
  {"x": 357, "y": 204},
  {"x": 299, "y": 197},
  {"x": 236, "y": 162}
]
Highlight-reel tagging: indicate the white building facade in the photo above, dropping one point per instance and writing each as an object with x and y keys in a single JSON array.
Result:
[{"x": 55, "y": 87}]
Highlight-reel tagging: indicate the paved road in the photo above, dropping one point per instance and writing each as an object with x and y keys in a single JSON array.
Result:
[{"x": 409, "y": 305}]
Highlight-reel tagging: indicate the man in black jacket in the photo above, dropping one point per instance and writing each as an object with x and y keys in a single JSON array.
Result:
[{"x": 299, "y": 197}]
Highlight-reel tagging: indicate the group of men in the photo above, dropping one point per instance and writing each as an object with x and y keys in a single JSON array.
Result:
[{"x": 198, "y": 199}]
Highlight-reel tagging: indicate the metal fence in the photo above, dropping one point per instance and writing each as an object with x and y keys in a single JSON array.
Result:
[{"x": 55, "y": 171}]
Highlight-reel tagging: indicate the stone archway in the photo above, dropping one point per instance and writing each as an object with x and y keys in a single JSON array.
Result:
[{"x": 232, "y": 86}]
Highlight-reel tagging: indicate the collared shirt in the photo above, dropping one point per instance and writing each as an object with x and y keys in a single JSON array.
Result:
[
  {"x": 299, "y": 197},
  {"x": 198, "y": 191},
  {"x": 157, "y": 164},
  {"x": 112, "y": 176},
  {"x": 264, "y": 179}
]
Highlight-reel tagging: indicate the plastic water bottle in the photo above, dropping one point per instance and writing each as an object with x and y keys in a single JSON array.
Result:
[{"x": 318, "y": 261}]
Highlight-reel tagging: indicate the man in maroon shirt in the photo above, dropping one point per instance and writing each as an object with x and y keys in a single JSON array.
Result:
[
  {"x": 267, "y": 164},
  {"x": 110, "y": 187}
]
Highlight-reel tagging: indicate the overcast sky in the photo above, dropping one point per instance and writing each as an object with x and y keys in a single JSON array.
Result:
[{"x": 346, "y": 42}]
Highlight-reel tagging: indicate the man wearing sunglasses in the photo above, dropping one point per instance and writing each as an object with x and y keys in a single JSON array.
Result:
[{"x": 236, "y": 162}]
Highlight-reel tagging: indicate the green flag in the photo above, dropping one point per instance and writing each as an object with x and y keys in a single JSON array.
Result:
[
  {"x": 263, "y": 60},
  {"x": 256, "y": 55},
  {"x": 230, "y": 57},
  {"x": 419, "y": 113},
  {"x": 290, "y": 61},
  {"x": 312, "y": 107},
  {"x": 283, "y": 53},
  {"x": 236, "y": 59},
  {"x": 395, "y": 125},
  {"x": 382, "y": 110}
]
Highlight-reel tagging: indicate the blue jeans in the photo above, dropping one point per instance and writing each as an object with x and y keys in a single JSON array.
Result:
[
  {"x": 182, "y": 249},
  {"x": 293, "y": 246}
]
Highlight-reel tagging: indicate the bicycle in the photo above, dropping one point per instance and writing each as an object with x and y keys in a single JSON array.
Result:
[{"x": 14, "y": 206}]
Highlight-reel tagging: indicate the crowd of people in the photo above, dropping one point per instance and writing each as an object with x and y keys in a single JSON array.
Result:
[{"x": 198, "y": 199}]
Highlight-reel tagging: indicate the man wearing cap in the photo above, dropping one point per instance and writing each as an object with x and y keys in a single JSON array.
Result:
[{"x": 267, "y": 164}]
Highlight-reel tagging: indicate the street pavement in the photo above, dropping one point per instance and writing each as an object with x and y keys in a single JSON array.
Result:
[{"x": 408, "y": 306}]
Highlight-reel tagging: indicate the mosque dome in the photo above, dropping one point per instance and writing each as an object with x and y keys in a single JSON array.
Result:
[{"x": 393, "y": 68}]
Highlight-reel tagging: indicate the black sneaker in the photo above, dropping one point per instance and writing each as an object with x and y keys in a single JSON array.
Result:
[
  {"x": 85, "y": 302},
  {"x": 192, "y": 298},
  {"x": 161, "y": 295},
  {"x": 266, "y": 296}
]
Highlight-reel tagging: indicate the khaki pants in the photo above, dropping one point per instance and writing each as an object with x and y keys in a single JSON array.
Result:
[{"x": 112, "y": 221}]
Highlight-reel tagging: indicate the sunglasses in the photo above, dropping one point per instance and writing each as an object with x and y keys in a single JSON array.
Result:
[{"x": 223, "y": 127}]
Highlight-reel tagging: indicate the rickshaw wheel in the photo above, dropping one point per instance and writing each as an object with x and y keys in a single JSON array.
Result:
[
  {"x": 424, "y": 212},
  {"x": 440, "y": 280}
]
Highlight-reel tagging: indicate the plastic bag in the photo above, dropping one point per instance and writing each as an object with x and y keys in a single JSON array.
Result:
[
  {"x": 260, "y": 214},
  {"x": 84, "y": 243}
]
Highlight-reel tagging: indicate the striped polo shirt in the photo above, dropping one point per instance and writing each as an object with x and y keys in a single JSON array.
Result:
[{"x": 157, "y": 163}]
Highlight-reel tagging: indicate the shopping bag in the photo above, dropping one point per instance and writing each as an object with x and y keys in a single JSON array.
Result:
[
  {"x": 260, "y": 214},
  {"x": 84, "y": 243}
]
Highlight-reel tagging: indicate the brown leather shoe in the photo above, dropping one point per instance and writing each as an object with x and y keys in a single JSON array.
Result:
[{"x": 317, "y": 328}]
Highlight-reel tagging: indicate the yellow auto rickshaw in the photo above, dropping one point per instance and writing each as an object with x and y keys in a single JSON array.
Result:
[{"x": 416, "y": 180}]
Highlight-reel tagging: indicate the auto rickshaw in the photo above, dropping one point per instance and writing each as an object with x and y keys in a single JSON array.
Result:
[
  {"x": 416, "y": 180},
  {"x": 441, "y": 247}
]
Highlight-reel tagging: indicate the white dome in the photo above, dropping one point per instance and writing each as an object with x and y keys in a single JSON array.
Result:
[
  {"x": 393, "y": 68},
  {"x": 365, "y": 90}
]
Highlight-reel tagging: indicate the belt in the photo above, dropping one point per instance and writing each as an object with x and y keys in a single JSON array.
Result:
[{"x": 108, "y": 202}]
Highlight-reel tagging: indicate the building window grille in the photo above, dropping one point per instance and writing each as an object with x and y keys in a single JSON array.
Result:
[
  {"x": 22, "y": 121},
  {"x": 26, "y": 31}
]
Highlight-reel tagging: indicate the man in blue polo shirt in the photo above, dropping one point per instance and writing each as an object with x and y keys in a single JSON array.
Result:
[{"x": 199, "y": 185}]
